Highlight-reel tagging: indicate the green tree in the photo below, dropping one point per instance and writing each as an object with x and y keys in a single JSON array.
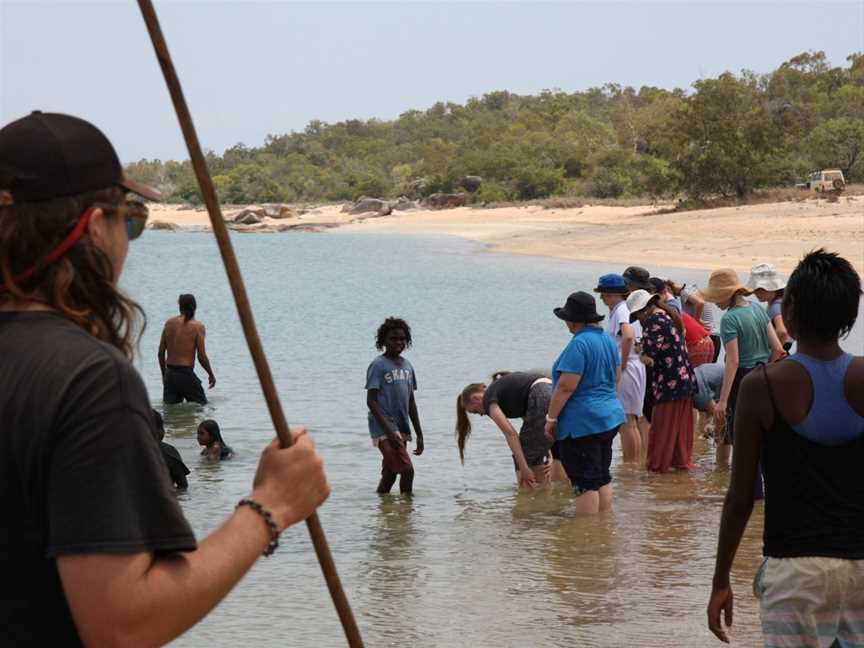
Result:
[{"x": 838, "y": 143}]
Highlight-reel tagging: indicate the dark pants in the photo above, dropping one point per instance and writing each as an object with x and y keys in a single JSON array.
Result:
[{"x": 181, "y": 383}]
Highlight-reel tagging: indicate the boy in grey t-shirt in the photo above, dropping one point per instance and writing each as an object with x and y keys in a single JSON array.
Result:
[{"x": 390, "y": 386}]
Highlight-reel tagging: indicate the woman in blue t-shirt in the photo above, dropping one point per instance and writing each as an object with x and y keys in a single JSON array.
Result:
[{"x": 584, "y": 413}]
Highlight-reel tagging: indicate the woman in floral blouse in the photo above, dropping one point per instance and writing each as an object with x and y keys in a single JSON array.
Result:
[{"x": 673, "y": 384}]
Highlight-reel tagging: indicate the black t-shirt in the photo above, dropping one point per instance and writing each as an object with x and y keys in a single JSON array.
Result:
[
  {"x": 176, "y": 468},
  {"x": 80, "y": 470},
  {"x": 511, "y": 393}
]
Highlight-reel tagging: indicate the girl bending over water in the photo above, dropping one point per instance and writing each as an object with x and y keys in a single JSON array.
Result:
[
  {"x": 513, "y": 395},
  {"x": 210, "y": 437}
]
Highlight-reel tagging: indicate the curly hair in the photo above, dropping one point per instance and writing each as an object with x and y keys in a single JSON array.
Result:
[
  {"x": 81, "y": 284},
  {"x": 391, "y": 324}
]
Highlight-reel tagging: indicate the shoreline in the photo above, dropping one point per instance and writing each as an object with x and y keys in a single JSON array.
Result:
[{"x": 737, "y": 237}]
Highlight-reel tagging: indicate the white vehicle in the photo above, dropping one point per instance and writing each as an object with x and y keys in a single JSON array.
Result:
[{"x": 826, "y": 180}]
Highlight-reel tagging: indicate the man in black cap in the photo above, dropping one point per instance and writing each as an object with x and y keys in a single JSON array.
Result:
[
  {"x": 96, "y": 550},
  {"x": 637, "y": 278}
]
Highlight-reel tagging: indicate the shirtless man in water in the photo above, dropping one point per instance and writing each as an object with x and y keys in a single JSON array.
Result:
[{"x": 182, "y": 339}]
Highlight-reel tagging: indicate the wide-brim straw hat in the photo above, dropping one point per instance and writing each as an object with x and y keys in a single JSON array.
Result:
[
  {"x": 639, "y": 300},
  {"x": 722, "y": 286},
  {"x": 765, "y": 276}
]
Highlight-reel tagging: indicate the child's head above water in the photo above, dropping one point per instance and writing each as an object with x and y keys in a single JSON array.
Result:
[
  {"x": 393, "y": 337},
  {"x": 209, "y": 433}
]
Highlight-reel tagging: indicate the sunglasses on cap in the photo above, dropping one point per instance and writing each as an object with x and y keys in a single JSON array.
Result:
[{"x": 134, "y": 214}]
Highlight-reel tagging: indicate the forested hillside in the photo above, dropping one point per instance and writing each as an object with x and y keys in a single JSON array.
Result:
[{"x": 724, "y": 136}]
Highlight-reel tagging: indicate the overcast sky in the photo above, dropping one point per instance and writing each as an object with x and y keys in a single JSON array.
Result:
[{"x": 253, "y": 68}]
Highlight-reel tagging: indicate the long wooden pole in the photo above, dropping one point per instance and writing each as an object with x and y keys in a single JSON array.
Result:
[{"x": 244, "y": 309}]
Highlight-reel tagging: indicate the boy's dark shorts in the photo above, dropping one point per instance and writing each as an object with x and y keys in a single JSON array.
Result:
[
  {"x": 395, "y": 456},
  {"x": 587, "y": 459},
  {"x": 181, "y": 383}
]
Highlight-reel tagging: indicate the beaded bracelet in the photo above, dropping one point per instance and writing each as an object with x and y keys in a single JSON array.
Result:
[{"x": 268, "y": 518}]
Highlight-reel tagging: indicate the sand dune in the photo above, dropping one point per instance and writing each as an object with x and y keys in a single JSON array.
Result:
[{"x": 778, "y": 233}]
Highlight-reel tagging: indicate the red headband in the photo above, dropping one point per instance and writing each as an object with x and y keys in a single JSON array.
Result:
[{"x": 62, "y": 248}]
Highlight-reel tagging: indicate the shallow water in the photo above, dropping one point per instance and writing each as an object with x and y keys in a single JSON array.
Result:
[{"x": 468, "y": 561}]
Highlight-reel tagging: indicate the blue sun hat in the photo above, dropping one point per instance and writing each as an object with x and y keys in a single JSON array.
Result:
[{"x": 611, "y": 284}]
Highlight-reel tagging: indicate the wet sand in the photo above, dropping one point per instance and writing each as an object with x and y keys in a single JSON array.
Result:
[{"x": 738, "y": 237}]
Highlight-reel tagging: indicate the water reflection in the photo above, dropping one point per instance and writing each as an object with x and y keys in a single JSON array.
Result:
[{"x": 393, "y": 568}]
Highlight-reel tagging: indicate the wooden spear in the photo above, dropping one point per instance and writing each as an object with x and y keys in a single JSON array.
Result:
[{"x": 244, "y": 309}]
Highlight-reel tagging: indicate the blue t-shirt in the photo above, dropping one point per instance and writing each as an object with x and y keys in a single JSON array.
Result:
[
  {"x": 395, "y": 381},
  {"x": 594, "y": 407}
]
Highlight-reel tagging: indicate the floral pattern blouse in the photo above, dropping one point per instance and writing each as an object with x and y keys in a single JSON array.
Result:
[{"x": 672, "y": 376}]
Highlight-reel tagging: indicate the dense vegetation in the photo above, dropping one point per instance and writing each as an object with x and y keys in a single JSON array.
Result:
[{"x": 726, "y": 137}]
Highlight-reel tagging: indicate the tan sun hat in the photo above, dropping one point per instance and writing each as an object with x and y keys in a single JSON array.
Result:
[{"x": 722, "y": 286}]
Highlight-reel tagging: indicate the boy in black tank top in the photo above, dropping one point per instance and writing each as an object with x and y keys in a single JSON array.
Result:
[{"x": 805, "y": 418}]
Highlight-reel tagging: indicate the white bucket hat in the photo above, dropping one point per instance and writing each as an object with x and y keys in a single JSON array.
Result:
[
  {"x": 764, "y": 276},
  {"x": 637, "y": 300}
]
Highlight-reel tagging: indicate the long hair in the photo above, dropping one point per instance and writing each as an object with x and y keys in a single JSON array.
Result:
[
  {"x": 80, "y": 284},
  {"x": 212, "y": 428},
  {"x": 463, "y": 423}
]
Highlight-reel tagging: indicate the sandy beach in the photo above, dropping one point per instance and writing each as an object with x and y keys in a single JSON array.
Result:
[{"x": 738, "y": 237}]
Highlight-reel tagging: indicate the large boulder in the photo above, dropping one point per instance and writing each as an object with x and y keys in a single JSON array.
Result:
[
  {"x": 365, "y": 205},
  {"x": 161, "y": 225},
  {"x": 248, "y": 219},
  {"x": 278, "y": 211},
  {"x": 403, "y": 203},
  {"x": 444, "y": 200},
  {"x": 470, "y": 183},
  {"x": 250, "y": 215}
]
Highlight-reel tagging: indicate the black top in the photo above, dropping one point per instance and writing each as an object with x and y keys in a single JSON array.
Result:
[
  {"x": 176, "y": 468},
  {"x": 814, "y": 495},
  {"x": 80, "y": 470},
  {"x": 511, "y": 393}
]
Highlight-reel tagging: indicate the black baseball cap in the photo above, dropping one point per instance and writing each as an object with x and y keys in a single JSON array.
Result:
[{"x": 51, "y": 155}]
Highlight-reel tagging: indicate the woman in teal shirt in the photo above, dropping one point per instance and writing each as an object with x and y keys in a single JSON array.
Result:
[
  {"x": 748, "y": 338},
  {"x": 584, "y": 413}
]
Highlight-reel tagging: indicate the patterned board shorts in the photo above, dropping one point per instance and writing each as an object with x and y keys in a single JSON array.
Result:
[{"x": 811, "y": 602}]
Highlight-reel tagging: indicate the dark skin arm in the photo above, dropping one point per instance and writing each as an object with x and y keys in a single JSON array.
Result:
[
  {"x": 162, "y": 354},
  {"x": 753, "y": 416},
  {"x": 202, "y": 356},
  {"x": 391, "y": 432},
  {"x": 415, "y": 421}
]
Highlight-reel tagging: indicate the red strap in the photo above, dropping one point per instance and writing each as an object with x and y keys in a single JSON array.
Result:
[{"x": 64, "y": 246}]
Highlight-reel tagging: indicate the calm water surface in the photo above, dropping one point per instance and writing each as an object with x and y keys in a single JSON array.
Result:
[{"x": 468, "y": 561}]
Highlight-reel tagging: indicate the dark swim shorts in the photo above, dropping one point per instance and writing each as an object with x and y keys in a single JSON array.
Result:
[
  {"x": 181, "y": 383},
  {"x": 395, "y": 456},
  {"x": 587, "y": 459}
]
